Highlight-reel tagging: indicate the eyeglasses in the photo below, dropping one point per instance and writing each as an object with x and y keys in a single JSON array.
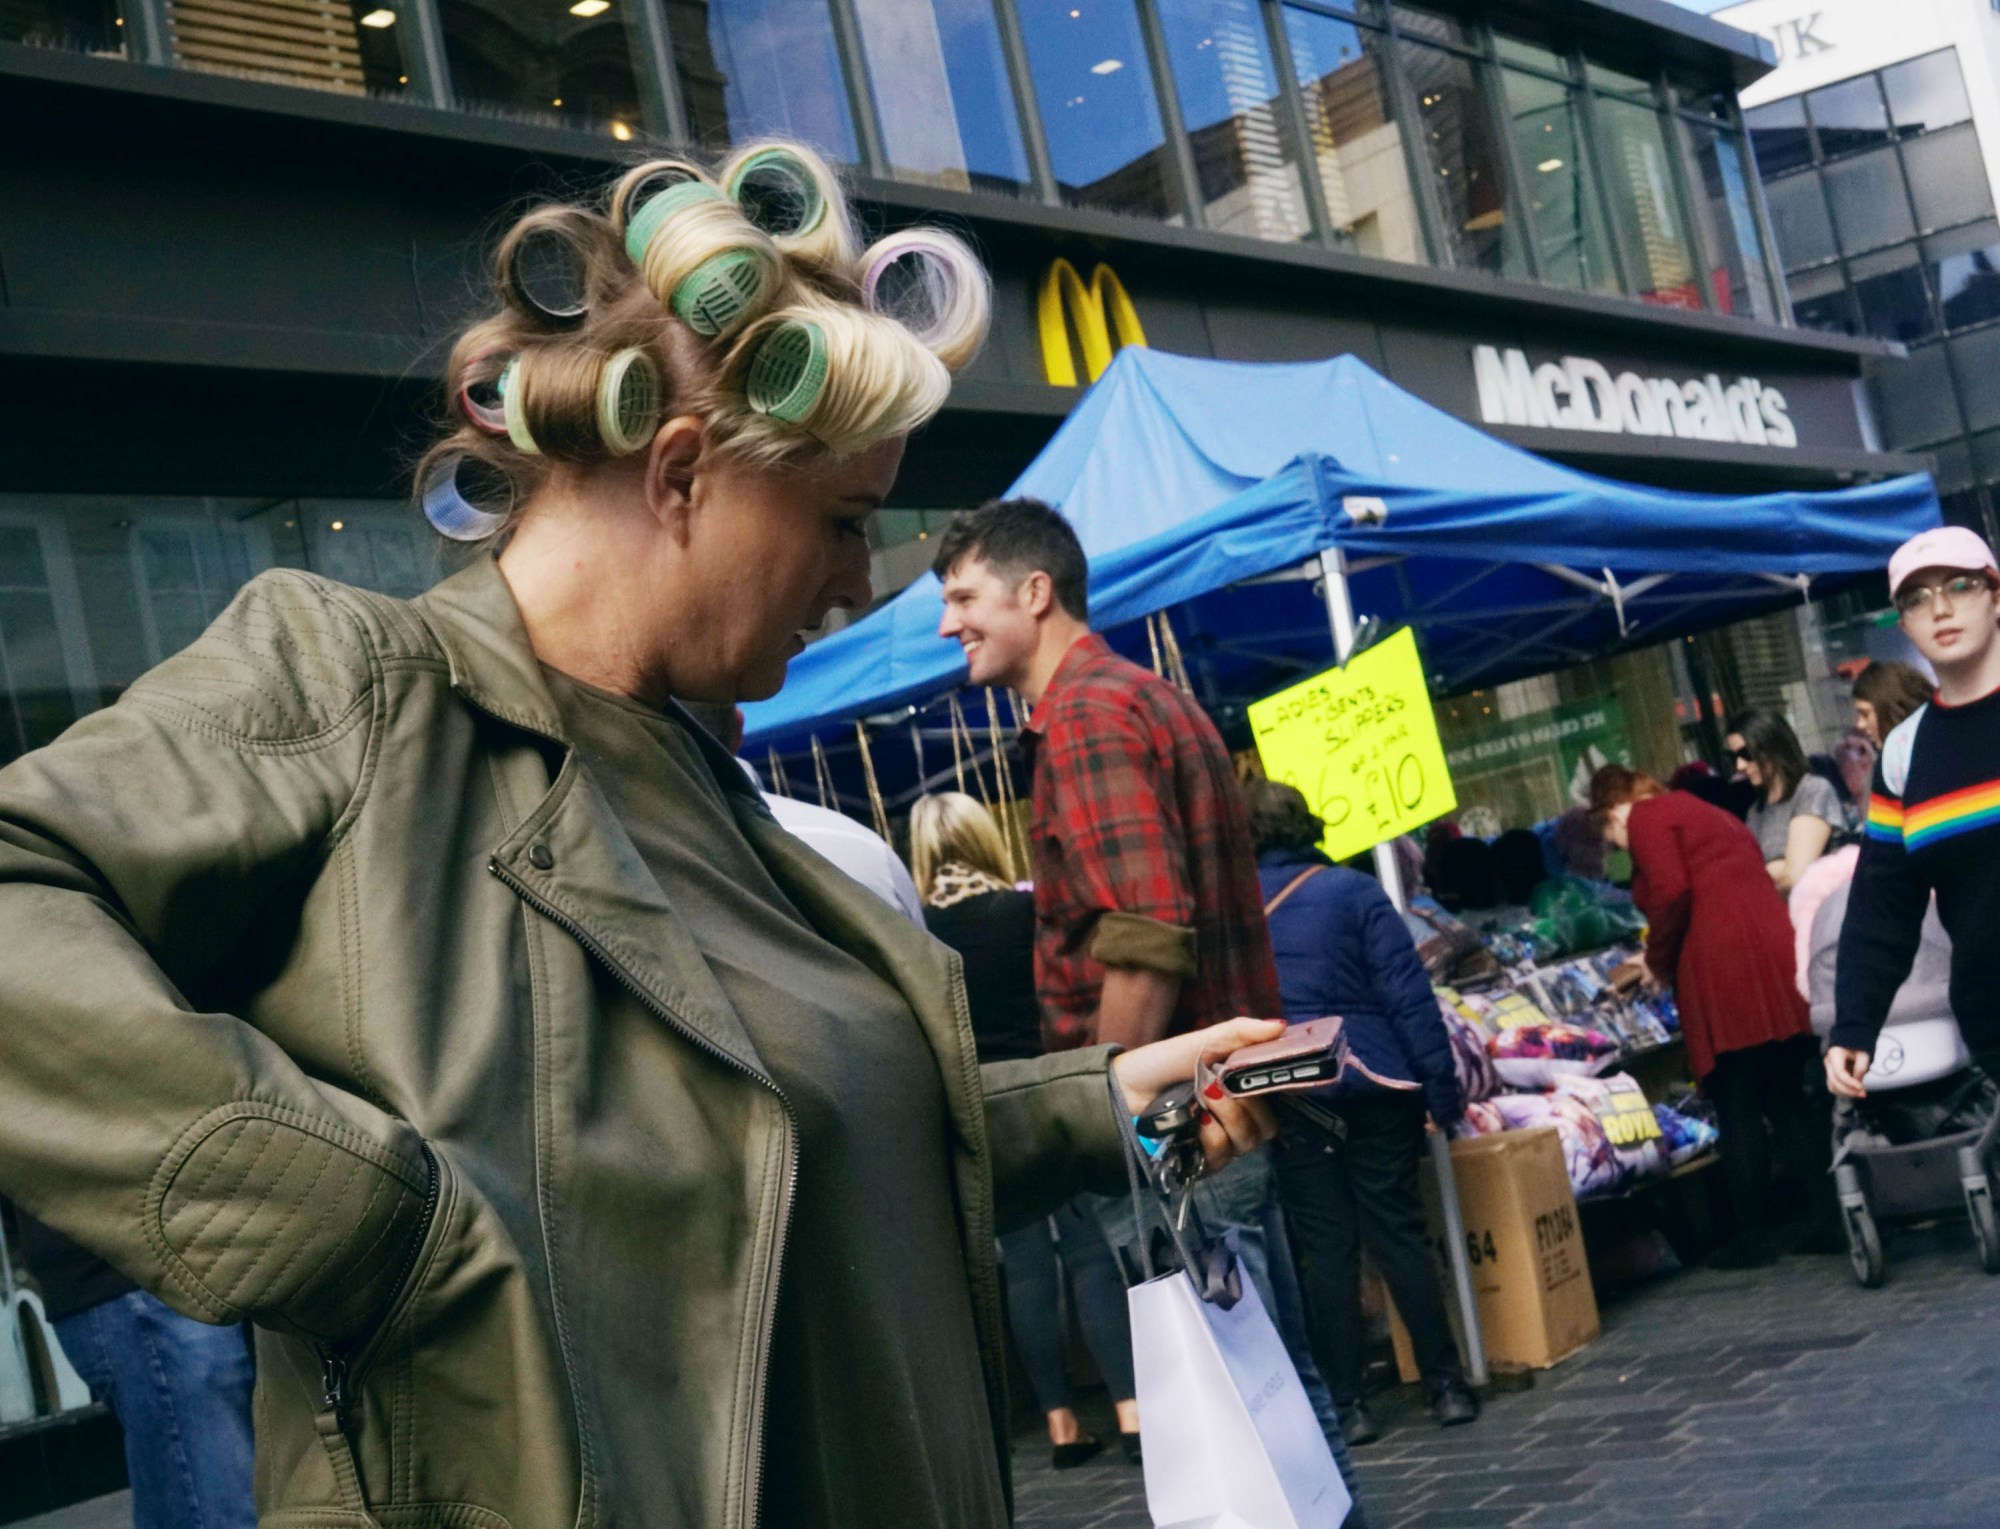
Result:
[
  {"x": 1922, "y": 597},
  {"x": 1742, "y": 756}
]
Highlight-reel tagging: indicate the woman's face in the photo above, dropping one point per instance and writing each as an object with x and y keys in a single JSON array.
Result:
[
  {"x": 777, "y": 551},
  {"x": 1617, "y": 826},
  {"x": 1746, "y": 766},
  {"x": 1866, "y": 722}
]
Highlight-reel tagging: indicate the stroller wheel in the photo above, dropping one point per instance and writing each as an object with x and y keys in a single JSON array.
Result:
[
  {"x": 1985, "y": 1227},
  {"x": 1864, "y": 1247}
]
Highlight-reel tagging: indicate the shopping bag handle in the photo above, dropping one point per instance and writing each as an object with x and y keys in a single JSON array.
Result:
[{"x": 1211, "y": 1264}]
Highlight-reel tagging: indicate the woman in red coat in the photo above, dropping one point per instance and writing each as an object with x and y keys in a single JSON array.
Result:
[{"x": 1721, "y": 938}]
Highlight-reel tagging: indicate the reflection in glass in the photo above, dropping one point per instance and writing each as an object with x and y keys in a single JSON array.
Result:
[
  {"x": 1965, "y": 269},
  {"x": 941, "y": 94},
  {"x": 1412, "y": 22},
  {"x": 1926, "y": 93},
  {"x": 1619, "y": 84},
  {"x": 1512, "y": 50},
  {"x": 1799, "y": 222},
  {"x": 757, "y": 68},
  {"x": 1778, "y": 136},
  {"x": 1889, "y": 291},
  {"x": 351, "y": 47},
  {"x": 1457, "y": 119},
  {"x": 1727, "y": 225},
  {"x": 1868, "y": 203},
  {"x": 1850, "y": 116},
  {"x": 1948, "y": 177},
  {"x": 1565, "y": 220},
  {"x": 1356, "y": 144},
  {"x": 1088, "y": 59},
  {"x": 1914, "y": 400},
  {"x": 1639, "y": 176},
  {"x": 538, "y": 61},
  {"x": 1229, "y": 102},
  {"x": 1820, "y": 301},
  {"x": 1976, "y": 360},
  {"x": 78, "y": 26}
]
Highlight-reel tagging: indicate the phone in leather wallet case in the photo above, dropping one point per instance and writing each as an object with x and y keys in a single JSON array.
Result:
[{"x": 1311, "y": 1054}]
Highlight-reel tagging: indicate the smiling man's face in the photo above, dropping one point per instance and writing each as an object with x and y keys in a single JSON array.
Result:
[{"x": 992, "y": 618}]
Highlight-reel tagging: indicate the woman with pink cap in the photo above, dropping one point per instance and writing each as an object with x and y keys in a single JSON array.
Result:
[{"x": 1933, "y": 812}]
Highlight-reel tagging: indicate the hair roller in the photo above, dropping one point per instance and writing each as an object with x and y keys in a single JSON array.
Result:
[
  {"x": 640, "y": 185},
  {"x": 513, "y": 409},
  {"x": 846, "y": 378},
  {"x": 794, "y": 196},
  {"x": 703, "y": 258},
  {"x": 629, "y": 401},
  {"x": 544, "y": 264},
  {"x": 932, "y": 284},
  {"x": 480, "y": 398},
  {"x": 448, "y": 505}
]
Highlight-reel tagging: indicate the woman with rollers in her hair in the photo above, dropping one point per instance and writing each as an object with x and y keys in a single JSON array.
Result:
[{"x": 414, "y": 981}]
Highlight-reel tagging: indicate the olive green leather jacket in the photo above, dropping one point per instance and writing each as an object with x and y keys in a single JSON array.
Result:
[{"x": 334, "y": 997}]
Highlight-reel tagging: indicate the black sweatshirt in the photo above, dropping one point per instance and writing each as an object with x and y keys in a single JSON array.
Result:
[{"x": 1933, "y": 826}]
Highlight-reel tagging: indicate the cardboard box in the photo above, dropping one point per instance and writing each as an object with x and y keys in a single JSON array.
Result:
[{"x": 1525, "y": 1245}]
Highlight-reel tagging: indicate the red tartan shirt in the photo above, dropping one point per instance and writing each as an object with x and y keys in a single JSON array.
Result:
[{"x": 1137, "y": 814}]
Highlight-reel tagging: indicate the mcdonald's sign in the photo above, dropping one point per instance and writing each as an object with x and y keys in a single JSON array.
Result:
[{"x": 1098, "y": 313}]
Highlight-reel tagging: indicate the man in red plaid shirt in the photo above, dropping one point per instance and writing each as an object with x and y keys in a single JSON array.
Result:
[
  {"x": 1148, "y": 915},
  {"x": 1149, "y": 919}
]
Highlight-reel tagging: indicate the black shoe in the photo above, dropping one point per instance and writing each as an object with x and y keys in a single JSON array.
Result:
[
  {"x": 1129, "y": 1442},
  {"x": 1356, "y": 1426},
  {"x": 1067, "y": 1457},
  {"x": 1743, "y": 1253},
  {"x": 1452, "y": 1402}
]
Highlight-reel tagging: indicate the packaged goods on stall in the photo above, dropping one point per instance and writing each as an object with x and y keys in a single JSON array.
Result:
[
  {"x": 1524, "y": 1242},
  {"x": 1589, "y": 1160},
  {"x": 1468, "y": 1053},
  {"x": 1629, "y": 1124},
  {"x": 1685, "y": 1136},
  {"x": 1535, "y": 1055}
]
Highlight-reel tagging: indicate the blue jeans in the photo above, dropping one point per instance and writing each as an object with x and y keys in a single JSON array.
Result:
[
  {"x": 181, "y": 1389},
  {"x": 1245, "y": 1196},
  {"x": 1034, "y": 1280}
]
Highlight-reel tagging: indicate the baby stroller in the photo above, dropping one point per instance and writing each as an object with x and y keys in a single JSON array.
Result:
[{"x": 1922, "y": 1142}]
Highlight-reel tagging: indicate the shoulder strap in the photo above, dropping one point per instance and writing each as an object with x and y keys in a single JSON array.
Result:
[{"x": 1290, "y": 887}]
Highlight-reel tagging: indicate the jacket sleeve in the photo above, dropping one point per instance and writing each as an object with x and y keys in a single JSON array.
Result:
[
  {"x": 1405, "y": 991},
  {"x": 1884, "y": 925},
  {"x": 148, "y": 858},
  {"x": 1660, "y": 886},
  {"x": 1052, "y": 1132}
]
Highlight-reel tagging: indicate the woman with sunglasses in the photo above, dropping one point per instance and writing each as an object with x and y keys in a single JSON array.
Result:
[
  {"x": 1796, "y": 812},
  {"x": 1933, "y": 813}
]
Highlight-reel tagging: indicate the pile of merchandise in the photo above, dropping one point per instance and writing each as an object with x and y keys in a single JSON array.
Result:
[{"x": 1544, "y": 1046}]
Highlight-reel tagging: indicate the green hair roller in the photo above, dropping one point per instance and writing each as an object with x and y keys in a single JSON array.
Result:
[
  {"x": 778, "y": 193},
  {"x": 716, "y": 294},
  {"x": 517, "y": 424},
  {"x": 788, "y": 371},
  {"x": 647, "y": 220}
]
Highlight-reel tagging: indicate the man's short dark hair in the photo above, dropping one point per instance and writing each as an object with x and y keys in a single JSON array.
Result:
[{"x": 1017, "y": 537}]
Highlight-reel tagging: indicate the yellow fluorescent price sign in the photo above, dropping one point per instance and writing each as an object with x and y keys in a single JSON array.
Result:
[{"x": 1361, "y": 744}]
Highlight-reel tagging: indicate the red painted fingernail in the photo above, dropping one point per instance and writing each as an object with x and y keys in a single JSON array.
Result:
[{"x": 1213, "y": 1091}]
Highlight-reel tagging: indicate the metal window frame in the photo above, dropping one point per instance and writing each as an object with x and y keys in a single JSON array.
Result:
[
  {"x": 660, "y": 96},
  {"x": 1409, "y": 120},
  {"x": 853, "y": 55},
  {"x": 1299, "y": 125},
  {"x": 146, "y": 21},
  {"x": 1184, "y": 179},
  {"x": 1673, "y": 131},
  {"x": 1517, "y": 229},
  {"x": 1027, "y": 107}
]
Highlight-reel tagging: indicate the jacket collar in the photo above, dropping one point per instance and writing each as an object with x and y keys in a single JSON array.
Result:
[
  {"x": 1285, "y": 859},
  {"x": 1085, "y": 651},
  {"x": 475, "y": 620},
  {"x": 493, "y": 665}
]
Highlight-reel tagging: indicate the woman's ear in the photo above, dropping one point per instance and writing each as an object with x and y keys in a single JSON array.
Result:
[{"x": 671, "y": 462}]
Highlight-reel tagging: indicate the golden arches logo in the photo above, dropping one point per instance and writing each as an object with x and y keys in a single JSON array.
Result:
[{"x": 1098, "y": 312}]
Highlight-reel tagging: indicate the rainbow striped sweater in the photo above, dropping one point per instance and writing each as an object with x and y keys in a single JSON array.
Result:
[{"x": 1933, "y": 828}]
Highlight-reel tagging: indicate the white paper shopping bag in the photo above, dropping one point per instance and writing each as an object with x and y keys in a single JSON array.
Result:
[{"x": 1230, "y": 1438}]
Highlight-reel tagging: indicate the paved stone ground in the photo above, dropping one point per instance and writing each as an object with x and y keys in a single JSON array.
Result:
[{"x": 1767, "y": 1399}]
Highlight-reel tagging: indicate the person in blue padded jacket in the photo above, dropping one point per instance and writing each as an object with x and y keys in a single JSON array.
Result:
[{"x": 1342, "y": 949}]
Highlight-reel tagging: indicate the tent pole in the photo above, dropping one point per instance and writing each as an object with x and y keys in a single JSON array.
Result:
[{"x": 1340, "y": 616}]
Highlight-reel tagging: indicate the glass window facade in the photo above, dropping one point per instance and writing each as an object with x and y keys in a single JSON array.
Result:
[
  {"x": 541, "y": 62},
  {"x": 1397, "y": 131},
  {"x": 1357, "y": 147},
  {"x": 1094, "y": 83},
  {"x": 1883, "y": 214},
  {"x": 1245, "y": 169},
  {"x": 942, "y": 94},
  {"x": 753, "y": 68},
  {"x": 97, "y": 589}
]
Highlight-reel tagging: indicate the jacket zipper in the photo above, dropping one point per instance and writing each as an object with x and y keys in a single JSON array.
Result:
[
  {"x": 767, "y": 1319},
  {"x": 334, "y": 1358}
]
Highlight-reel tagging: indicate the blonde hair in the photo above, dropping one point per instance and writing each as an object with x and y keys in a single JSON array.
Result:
[
  {"x": 741, "y": 296},
  {"x": 950, "y": 826}
]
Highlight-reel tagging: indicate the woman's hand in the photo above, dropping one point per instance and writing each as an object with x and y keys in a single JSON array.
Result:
[{"x": 1230, "y": 1126}]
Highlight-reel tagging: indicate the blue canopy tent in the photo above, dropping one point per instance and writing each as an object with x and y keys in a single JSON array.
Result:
[{"x": 1216, "y": 489}]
